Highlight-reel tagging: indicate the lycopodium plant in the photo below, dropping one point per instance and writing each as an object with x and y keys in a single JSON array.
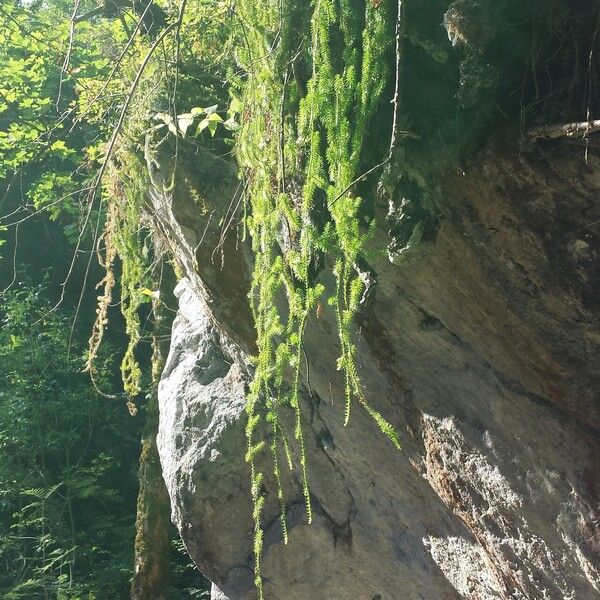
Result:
[
  {"x": 123, "y": 237},
  {"x": 309, "y": 99}
]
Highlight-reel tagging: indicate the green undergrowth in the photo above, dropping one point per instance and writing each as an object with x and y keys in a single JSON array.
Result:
[{"x": 309, "y": 100}]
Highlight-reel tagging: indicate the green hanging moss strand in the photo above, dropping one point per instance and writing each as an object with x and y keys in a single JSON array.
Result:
[{"x": 308, "y": 104}]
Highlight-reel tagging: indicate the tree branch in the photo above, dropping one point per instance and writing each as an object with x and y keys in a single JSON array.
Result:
[
  {"x": 552, "y": 132},
  {"x": 94, "y": 12}
]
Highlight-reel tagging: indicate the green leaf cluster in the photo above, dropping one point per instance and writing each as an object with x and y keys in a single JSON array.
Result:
[{"x": 51, "y": 139}]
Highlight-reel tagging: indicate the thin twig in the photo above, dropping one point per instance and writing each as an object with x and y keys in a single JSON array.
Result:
[
  {"x": 67, "y": 60},
  {"x": 94, "y": 12},
  {"x": 396, "y": 103},
  {"x": 37, "y": 211},
  {"x": 227, "y": 222},
  {"x": 176, "y": 84},
  {"x": 22, "y": 29},
  {"x": 310, "y": 391}
]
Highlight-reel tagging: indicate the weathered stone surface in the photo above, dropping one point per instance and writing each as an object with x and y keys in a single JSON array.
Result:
[
  {"x": 481, "y": 347},
  {"x": 201, "y": 441},
  {"x": 479, "y": 341}
]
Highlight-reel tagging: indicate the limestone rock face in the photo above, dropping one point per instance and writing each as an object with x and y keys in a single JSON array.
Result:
[{"x": 480, "y": 345}]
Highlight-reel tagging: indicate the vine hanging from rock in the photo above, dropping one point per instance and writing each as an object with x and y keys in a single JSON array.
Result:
[{"x": 308, "y": 105}]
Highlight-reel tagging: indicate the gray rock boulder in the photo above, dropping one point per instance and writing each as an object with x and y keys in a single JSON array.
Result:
[{"x": 480, "y": 345}]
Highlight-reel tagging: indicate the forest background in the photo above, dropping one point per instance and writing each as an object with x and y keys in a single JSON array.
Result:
[{"x": 69, "y": 447}]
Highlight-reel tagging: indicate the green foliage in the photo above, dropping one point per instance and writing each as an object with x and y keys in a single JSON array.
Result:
[
  {"x": 42, "y": 141},
  {"x": 186, "y": 582},
  {"x": 205, "y": 118},
  {"x": 128, "y": 239},
  {"x": 66, "y": 486},
  {"x": 26, "y": 74},
  {"x": 308, "y": 104},
  {"x": 56, "y": 117}
]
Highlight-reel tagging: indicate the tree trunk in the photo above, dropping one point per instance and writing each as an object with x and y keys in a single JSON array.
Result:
[{"x": 153, "y": 525}]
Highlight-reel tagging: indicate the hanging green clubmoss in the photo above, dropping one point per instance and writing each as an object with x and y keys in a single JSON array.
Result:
[
  {"x": 134, "y": 277},
  {"x": 123, "y": 237},
  {"x": 308, "y": 104}
]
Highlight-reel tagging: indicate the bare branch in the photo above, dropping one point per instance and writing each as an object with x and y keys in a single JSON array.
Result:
[
  {"x": 94, "y": 12},
  {"x": 65, "y": 66},
  {"x": 552, "y": 132}
]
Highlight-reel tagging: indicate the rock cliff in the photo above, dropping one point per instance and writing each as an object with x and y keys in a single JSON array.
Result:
[
  {"x": 479, "y": 345},
  {"x": 478, "y": 340}
]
